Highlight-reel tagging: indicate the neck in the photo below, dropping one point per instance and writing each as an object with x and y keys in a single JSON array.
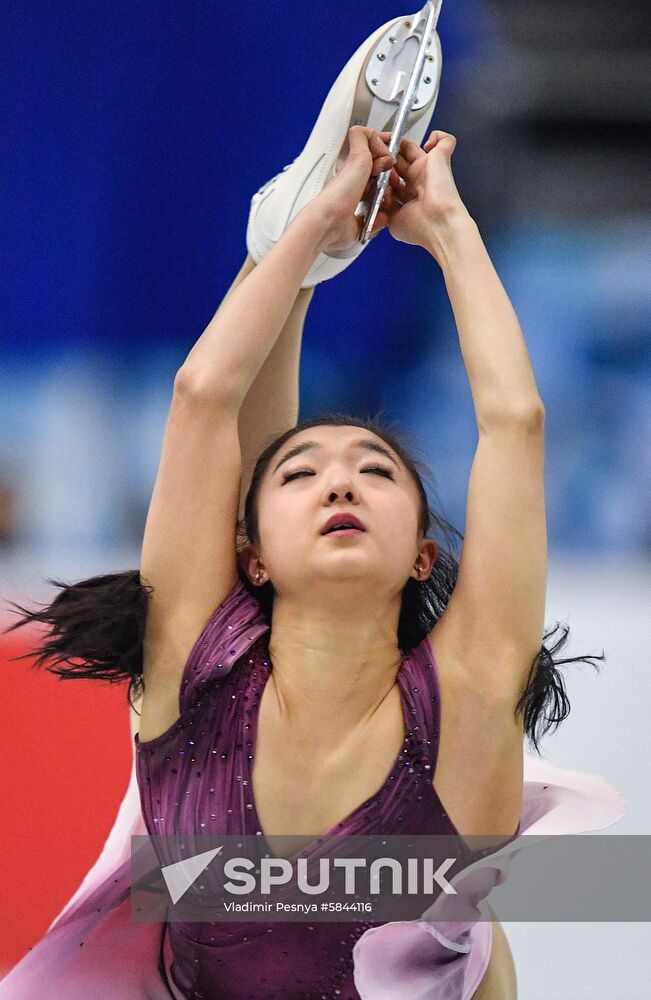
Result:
[{"x": 333, "y": 665}]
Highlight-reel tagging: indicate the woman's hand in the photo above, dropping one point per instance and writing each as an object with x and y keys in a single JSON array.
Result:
[
  {"x": 422, "y": 193},
  {"x": 368, "y": 156}
]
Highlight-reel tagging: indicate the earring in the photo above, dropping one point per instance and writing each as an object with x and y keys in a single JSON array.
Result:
[
  {"x": 258, "y": 576},
  {"x": 419, "y": 567}
]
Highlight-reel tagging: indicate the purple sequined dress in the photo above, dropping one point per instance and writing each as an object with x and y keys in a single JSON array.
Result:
[{"x": 196, "y": 778}]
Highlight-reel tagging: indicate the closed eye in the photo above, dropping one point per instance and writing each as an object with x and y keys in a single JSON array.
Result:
[{"x": 379, "y": 469}]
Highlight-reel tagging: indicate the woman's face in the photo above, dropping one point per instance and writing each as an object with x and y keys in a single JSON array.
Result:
[{"x": 339, "y": 470}]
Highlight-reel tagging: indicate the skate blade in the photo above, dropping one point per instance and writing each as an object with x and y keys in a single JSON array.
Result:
[{"x": 405, "y": 82}]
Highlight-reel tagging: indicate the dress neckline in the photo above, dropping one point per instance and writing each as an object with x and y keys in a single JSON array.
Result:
[{"x": 344, "y": 822}]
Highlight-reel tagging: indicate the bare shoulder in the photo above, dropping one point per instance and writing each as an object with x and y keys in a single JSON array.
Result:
[{"x": 479, "y": 769}]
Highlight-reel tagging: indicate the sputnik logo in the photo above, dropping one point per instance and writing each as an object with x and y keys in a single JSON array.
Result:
[{"x": 181, "y": 875}]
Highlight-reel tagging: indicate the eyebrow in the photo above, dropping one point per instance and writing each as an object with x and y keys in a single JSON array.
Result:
[{"x": 365, "y": 443}]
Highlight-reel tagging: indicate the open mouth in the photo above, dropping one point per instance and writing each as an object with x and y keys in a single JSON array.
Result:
[{"x": 343, "y": 523}]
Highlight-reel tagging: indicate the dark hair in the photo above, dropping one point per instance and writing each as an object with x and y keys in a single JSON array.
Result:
[{"x": 100, "y": 621}]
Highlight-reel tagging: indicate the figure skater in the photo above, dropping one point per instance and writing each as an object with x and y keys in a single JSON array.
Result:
[{"x": 306, "y": 655}]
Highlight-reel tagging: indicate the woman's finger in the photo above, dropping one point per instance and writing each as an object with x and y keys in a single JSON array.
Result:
[
  {"x": 383, "y": 138},
  {"x": 389, "y": 199},
  {"x": 409, "y": 172},
  {"x": 436, "y": 137},
  {"x": 359, "y": 140},
  {"x": 402, "y": 164},
  {"x": 398, "y": 189},
  {"x": 396, "y": 196},
  {"x": 411, "y": 151},
  {"x": 381, "y": 164},
  {"x": 378, "y": 147}
]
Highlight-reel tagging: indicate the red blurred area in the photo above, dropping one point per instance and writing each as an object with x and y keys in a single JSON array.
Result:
[{"x": 66, "y": 758}]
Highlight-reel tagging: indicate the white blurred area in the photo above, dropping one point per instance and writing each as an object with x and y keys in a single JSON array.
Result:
[{"x": 607, "y": 604}]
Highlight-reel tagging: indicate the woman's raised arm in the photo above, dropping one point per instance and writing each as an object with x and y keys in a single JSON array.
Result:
[
  {"x": 189, "y": 554},
  {"x": 490, "y": 633},
  {"x": 271, "y": 405},
  {"x": 495, "y": 617},
  {"x": 493, "y": 625},
  {"x": 189, "y": 548}
]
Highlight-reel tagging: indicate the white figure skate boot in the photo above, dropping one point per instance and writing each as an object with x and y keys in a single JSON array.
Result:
[{"x": 391, "y": 83}]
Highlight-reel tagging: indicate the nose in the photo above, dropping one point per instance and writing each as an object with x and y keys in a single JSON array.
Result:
[
  {"x": 334, "y": 494},
  {"x": 340, "y": 486}
]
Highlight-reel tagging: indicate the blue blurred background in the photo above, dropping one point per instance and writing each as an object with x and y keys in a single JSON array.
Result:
[{"x": 134, "y": 136}]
